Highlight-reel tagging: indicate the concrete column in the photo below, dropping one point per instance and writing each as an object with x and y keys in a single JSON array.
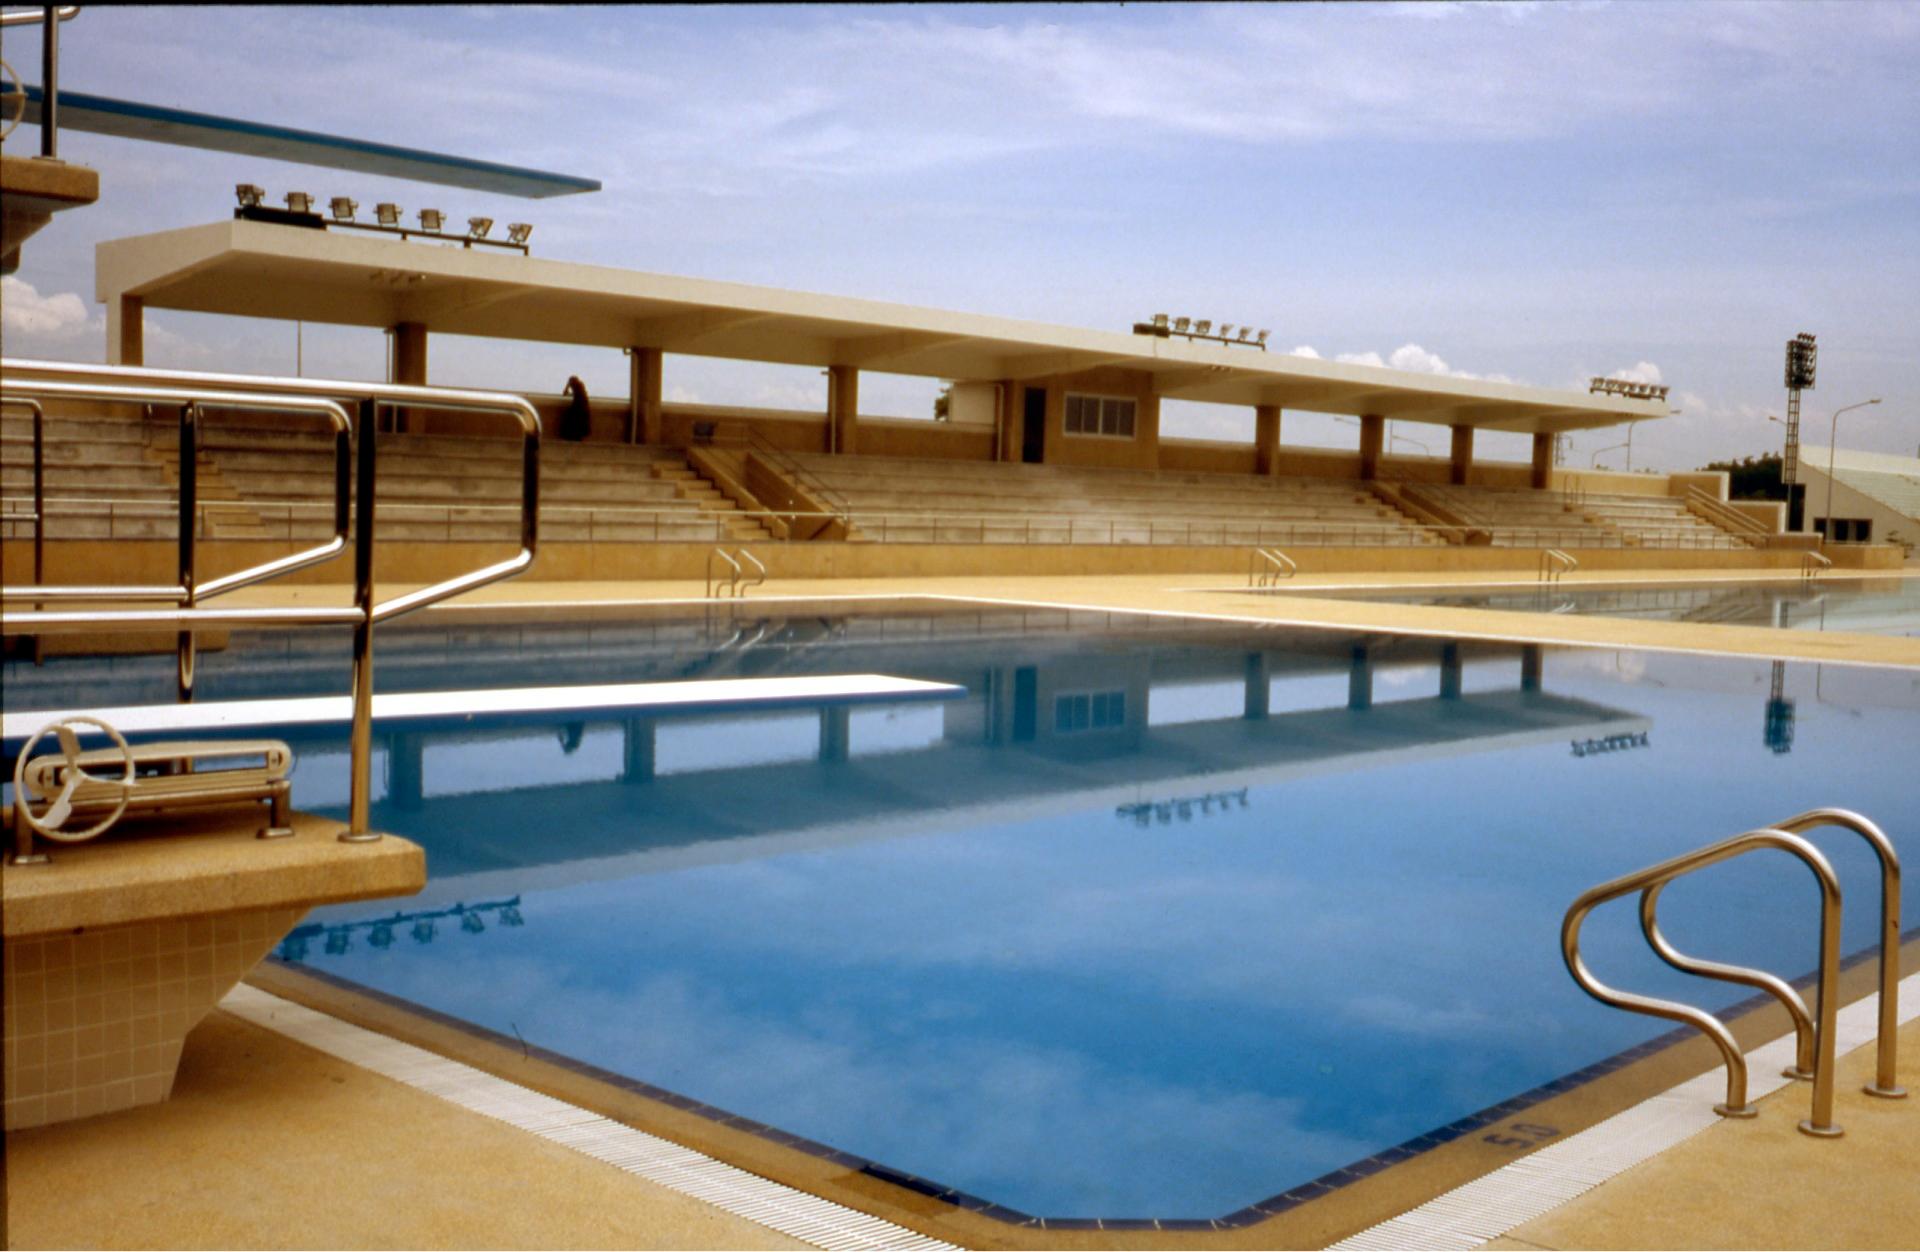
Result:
[
  {"x": 1450, "y": 671},
  {"x": 637, "y": 741},
  {"x": 1462, "y": 455},
  {"x": 406, "y": 771},
  {"x": 1373, "y": 437},
  {"x": 1259, "y": 686},
  {"x": 1266, "y": 439},
  {"x": 843, "y": 408},
  {"x": 409, "y": 365},
  {"x": 127, "y": 331},
  {"x": 1542, "y": 460},
  {"x": 645, "y": 370},
  {"x": 1360, "y": 681},
  {"x": 1006, "y": 419},
  {"x": 1533, "y": 666},
  {"x": 835, "y": 732}
]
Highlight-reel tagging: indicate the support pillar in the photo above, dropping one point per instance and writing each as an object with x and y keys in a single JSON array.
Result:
[
  {"x": 1266, "y": 439},
  {"x": 1006, "y": 420},
  {"x": 1373, "y": 437},
  {"x": 1450, "y": 671},
  {"x": 843, "y": 409},
  {"x": 1533, "y": 665},
  {"x": 637, "y": 742},
  {"x": 1259, "y": 687},
  {"x": 645, "y": 371},
  {"x": 1542, "y": 460},
  {"x": 409, "y": 364},
  {"x": 835, "y": 733},
  {"x": 1462, "y": 455},
  {"x": 1360, "y": 681},
  {"x": 127, "y": 331}
]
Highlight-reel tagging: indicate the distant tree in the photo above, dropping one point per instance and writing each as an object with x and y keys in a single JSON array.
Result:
[{"x": 1752, "y": 478}]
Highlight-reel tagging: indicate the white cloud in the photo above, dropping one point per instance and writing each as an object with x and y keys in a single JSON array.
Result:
[
  {"x": 24, "y": 311},
  {"x": 1643, "y": 372},
  {"x": 1305, "y": 351}
]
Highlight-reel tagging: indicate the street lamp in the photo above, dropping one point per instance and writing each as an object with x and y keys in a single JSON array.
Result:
[
  {"x": 1609, "y": 448},
  {"x": 1832, "y": 436}
]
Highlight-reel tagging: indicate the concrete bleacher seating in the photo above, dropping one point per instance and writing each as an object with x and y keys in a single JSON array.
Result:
[
  {"x": 102, "y": 478},
  {"x": 904, "y": 500},
  {"x": 1522, "y": 518}
]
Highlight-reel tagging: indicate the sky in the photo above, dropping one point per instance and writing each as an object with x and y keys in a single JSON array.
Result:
[{"x": 1661, "y": 191}]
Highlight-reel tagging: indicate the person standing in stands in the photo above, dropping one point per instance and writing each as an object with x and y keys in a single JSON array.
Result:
[{"x": 577, "y": 418}]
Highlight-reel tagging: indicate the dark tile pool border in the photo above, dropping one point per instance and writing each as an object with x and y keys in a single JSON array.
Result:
[{"x": 1250, "y": 1215}]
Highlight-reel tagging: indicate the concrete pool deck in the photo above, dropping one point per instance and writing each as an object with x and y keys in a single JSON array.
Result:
[{"x": 268, "y": 1143}]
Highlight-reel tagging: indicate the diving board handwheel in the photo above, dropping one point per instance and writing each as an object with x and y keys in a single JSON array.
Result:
[{"x": 59, "y": 807}]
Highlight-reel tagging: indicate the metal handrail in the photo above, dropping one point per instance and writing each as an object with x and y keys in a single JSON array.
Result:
[
  {"x": 239, "y": 391},
  {"x": 1279, "y": 565},
  {"x": 732, "y": 582},
  {"x": 1820, "y": 1123},
  {"x": 757, "y": 564},
  {"x": 39, "y": 516},
  {"x": 1812, "y": 564},
  {"x": 1555, "y": 565},
  {"x": 788, "y": 464},
  {"x": 33, "y": 17},
  {"x": 1721, "y": 514}
]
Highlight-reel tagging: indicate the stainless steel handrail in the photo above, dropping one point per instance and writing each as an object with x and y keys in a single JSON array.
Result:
[
  {"x": 732, "y": 582},
  {"x": 1827, "y": 1001},
  {"x": 1279, "y": 565},
  {"x": 1555, "y": 565},
  {"x": 757, "y": 564},
  {"x": 239, "y": 390},
  {"x": 1812, "y": 564},
  {"x": 784, "y": 461},
  {"x": 33, "y": 17},
  {"x": 39, "y": 480}
]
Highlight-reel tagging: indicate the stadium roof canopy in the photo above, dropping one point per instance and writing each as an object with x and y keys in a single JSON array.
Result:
[{"x": 260, "y": 269}]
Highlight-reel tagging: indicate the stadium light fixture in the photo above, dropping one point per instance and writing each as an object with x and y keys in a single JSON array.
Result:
[
  {"x": 517, "y": 232},
  {"x": 343, "y": 208},
  {"x": 299, "y": 202},
  {"x": 1203, "y": 326},
  {"x": 477, "y": 227},
  {"x": 431, "y": 220},
  {"x": 388, "y": 213},
  {"x": 249, "y": 195},
  {"x": 1226, "y": 329},
  {"x": 1160, "y": 321},
  {"x": 1180, "y": 324},
  {"x": 1261, "y": 339}
]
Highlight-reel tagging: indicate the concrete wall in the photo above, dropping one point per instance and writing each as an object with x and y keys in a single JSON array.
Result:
[
  {"x": 1110, "y": 452},
  {"x": 1889, "y": 525}
]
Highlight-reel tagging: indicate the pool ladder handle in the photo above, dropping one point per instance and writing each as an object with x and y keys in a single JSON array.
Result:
[
  {"x": 734, "y": 582},
  {"x": 1278, "y": 565},
  {"x": 1814, "y": 1047},
  {"x": 1812, "y": 564},
  {"x": 1555, "y": 564}
]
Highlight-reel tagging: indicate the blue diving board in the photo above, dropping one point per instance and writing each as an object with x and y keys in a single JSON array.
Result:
[
  {"x": 535, "y": 704},
  {"x": 128, "y": 119}
]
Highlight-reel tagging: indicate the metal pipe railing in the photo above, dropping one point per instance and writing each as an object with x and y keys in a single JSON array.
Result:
[
  {"x": 1827, "y": 1001},
  {"x": 197, "y": 390}
]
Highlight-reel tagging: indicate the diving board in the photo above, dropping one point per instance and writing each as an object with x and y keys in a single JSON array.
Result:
[
  {"x": 128, "y": 119},
  {"x": 531, "y": 703}
]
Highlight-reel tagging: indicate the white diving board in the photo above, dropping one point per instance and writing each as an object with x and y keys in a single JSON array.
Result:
[
  {"x": 129, "y": 119},
  {"x": 531, "y": 703}
]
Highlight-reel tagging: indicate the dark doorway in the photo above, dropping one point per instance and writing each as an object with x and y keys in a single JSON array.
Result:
[
  {"x": 1033, "y": 437},
  {"x": 1026, "y": 703}
]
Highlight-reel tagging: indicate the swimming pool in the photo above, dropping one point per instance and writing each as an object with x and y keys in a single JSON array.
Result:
[
  {"x": 1880, "y": 606},
  {"x": 1161, "y": 919}
]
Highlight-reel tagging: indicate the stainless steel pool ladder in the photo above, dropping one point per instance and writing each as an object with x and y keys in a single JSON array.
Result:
[
  {"x": 1812, "y": 564},
  {"x": 1555, "y": 564},
  {"x": 733, "y": 581},
  {"x": 1278, "y": 565},
  {"x": 1814, "y": 1039}
]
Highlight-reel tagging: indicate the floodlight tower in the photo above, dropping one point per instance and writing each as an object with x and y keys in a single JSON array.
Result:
[{"x": 1801, "y": 357}]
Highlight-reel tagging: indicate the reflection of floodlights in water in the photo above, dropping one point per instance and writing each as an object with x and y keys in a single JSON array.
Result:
[
  {"x": 294, "y": 948},
  {"x": 517, "y": 232},
  {"x": 431, "y": 220},
  {"x": 388, "y": 213},
  {"x": 423, "y": 930},
  {"x": 381, "y": 936},
  {"x": 249, "y": 195},
  {"x": 338, "y": 941},
  {"x": 477, "y": 227},
  {"x": 343, "y": 208},
  {"x": 472, "y": 923},
  {"x": 510, "y": 916}
]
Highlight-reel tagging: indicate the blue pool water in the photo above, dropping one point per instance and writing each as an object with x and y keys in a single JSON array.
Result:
[
  {"x": 1091, "y": 940},
  {"x": 1878, "y": 606}
]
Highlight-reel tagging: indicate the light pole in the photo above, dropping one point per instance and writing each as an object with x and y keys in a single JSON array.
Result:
[{"x": 1832, "y": 436}]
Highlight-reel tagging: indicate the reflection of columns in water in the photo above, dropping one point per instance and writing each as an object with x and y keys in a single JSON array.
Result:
[
  {"x": 637, "y": 758},
  {"x": 1450, "y": 671},
  {"x": 406, "y": 769},
  {"x": 834, "y": 724},
  {"x": 1778, "y": 734},
  {"x": 1259, "y": 686},
  {"x": 1532, "y": 666},
  {"x": 1360, "y": 681}
]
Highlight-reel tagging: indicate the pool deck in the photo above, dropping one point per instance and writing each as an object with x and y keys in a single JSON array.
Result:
[{"x": 269, "y": 1143}]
